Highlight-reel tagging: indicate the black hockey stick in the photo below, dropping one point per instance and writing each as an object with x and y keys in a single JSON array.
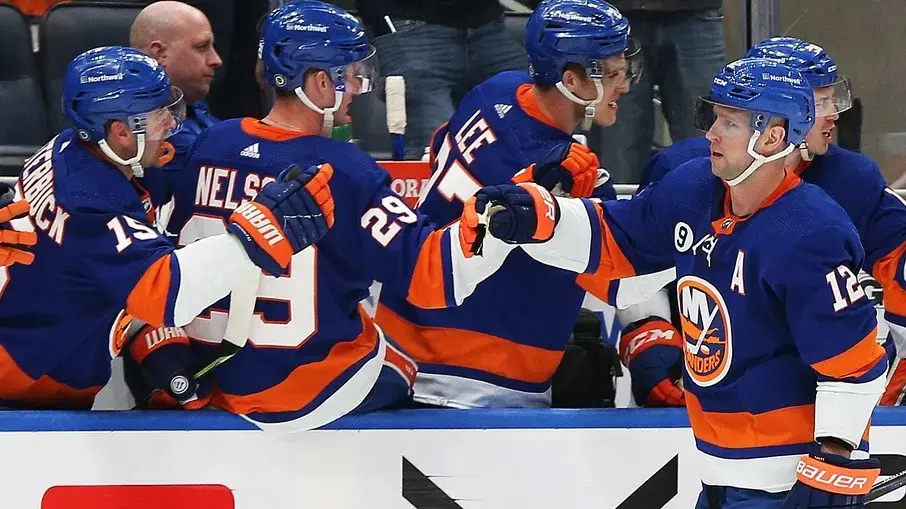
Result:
[{"x": 886, "y": 486}]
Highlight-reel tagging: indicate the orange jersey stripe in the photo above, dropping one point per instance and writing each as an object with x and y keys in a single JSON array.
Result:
[
  {"x": 531, "y": 107},
  {"x": 885, "y": 271},
  {"x": 255, "y": 127},
  {"x": 426, "y": 289},
  {"x": 856, "y": 361},
  {"x": 16, "y": 385},
  {"x": 469, "y": 349},
  {"x": 148, "y": 300},
  {"x": 737, "y": 430},
  {"x": 305, "y": 382}
]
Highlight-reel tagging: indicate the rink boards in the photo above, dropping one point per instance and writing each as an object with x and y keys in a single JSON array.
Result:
[{"x": 445, "y": 459}]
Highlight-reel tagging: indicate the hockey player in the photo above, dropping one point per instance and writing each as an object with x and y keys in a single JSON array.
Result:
[
  {"x": 12, "y": 242},
  {"x": 313, "y": 353},
  {"x": 501, "y": 348},
  {"x": 97, "y": 252},
  {"x": 782, "y": 370},
  {"x": 851, "y": 179}
]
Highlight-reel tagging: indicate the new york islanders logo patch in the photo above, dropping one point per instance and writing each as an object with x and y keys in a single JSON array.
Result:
[{"x": 707, "y": 338}]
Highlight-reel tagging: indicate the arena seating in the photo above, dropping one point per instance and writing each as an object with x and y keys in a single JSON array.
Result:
[{"x": 23, "y": 117}]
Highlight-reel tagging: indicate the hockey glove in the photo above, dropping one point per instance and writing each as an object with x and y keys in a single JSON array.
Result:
[
  {"x": 652, "y": 350},
  {"x": 12, "y": 242},
  {"x": 521, "y": 214},
  {"x": 574, "y": 167},
  {"x": 286, "y": 217},
  {"x": 165, "y": 360},
  {"x": 831, "y": 481}
]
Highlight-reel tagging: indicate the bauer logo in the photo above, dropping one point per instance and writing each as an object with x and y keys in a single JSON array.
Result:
[
  {"x": 781, "y": 79},
  {"x": 707, "y": 340}
]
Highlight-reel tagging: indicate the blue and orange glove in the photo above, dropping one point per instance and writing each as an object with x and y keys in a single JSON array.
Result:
[
  {"x": 831, "y": 481},
  {"x": 286, "y": 217},
  {"x": 166, "y": 362},
  {"x": 574, "y": 167},
  {"x": 12, "y": 242},
  {"x": 520, "y": 214},
  {"x": 652, "y": 349}
]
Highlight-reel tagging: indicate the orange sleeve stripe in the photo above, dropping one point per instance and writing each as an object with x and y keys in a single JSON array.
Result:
[
  {"x": 45, "y": 392},
  {"x": 856, "y": 361},
  {"x": 148, "y": 300},
  {"x": 738, "y": 430},
  {"x": 306, "y": 382},
  {"x": 613, "y": 264},
  {"x": 426, "y": 289},
  {"x": 885, "y": 271},
  {"x": 470, "y": 349}
]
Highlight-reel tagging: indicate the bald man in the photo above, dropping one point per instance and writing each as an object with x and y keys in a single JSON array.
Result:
[{"x": 178, "y": 36}]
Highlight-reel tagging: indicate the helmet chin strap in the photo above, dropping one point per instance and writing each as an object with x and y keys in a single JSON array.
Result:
[
  {"x": 134, "y": 162},
  {"x": 804, "y": 152},
  {"x": 590, "y": 105},
  {"x": 759, "y": 160},
  {"x": 327, "y": 123}
]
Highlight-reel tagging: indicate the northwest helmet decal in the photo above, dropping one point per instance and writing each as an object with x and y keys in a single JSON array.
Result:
[{"x": 707, "y": 338}]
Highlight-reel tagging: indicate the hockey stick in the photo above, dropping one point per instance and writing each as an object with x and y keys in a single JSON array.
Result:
[
  {"x": 239, "y": 321},
  {"x": 395, "y": 90},
  {"x": 886, "y": 486}
]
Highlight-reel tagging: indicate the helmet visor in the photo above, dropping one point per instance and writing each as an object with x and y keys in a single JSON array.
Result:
[
  {"x": 358, "y": 77},
  {"x": 161, "y": 123},
  {"x": 619, "y": 70},
  {"x": 721, "y": 120},
  {"x": 834, "y": 98}
]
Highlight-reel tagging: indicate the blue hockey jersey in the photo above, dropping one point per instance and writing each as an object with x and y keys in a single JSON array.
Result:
[
  {"x": 61, "y": 318},
  {"x": 311, "y": 342},
  {"x": 502, "y": 346},
  {"x": 778, "y": 335},
  {"x": 855, "y": 182}
]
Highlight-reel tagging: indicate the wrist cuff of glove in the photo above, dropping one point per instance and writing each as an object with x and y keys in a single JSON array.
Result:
[
  {"x": 642, "y": 335},
  {"x": 149, "y": 339},
  {"x": 835, "y": 479}
]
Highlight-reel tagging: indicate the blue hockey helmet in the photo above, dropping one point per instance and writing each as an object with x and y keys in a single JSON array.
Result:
[
  {"x": 579, "y": 32},
  {"x": 311, "y": 35},
  {"x": 307, "y": 34},
  {"x": 815, "y": 65},
  {"x": 118, "y": 83},
  {"x": 765, "y": 89}
]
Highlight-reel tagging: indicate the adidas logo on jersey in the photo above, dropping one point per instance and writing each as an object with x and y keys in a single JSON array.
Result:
[
  {"x": 251, "y": 151},
  {"x": 502, "y": 109}
]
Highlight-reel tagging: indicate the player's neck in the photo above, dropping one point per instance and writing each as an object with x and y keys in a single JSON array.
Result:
[
  {"x": 558, "y": 108},
  {"x": 793, "y": 160},
  {"x": 290, "y": 113},
  {"x": 747, "y": 196}
]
